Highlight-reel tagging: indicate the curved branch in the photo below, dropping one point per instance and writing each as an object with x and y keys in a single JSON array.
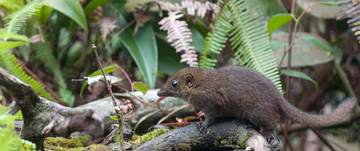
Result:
[{"x": 224, "y": 133}]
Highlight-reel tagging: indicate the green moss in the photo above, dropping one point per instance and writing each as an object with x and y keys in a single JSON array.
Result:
[
  {"x": 93, "y": 147},
  {"x": 137, "y": 140},
  {"x": 18, "y": 115},
  {"x": 243, "y": 142},
  {"x": 182, "y": 146},
  {"x": 60, "y": 143},
  {"x": 193, "y": 141}
]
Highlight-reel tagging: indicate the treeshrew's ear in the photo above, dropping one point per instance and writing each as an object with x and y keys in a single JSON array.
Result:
[{"x": 189, "y": 80}]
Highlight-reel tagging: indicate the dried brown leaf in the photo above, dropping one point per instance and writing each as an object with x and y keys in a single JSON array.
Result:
[{"x": 107, "y": 25}]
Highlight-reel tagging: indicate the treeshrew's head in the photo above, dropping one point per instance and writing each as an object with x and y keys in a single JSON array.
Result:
[{"x": 181, "y": 83}]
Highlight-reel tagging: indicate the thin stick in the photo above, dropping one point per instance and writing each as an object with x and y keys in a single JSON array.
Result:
[
  {"x": 119, "y": 113},
  {"x": 286, "y": 136},
  {"x": 322, "y": 138},
  {"x": 52, "y": 93},
  {"x": 128, "y": 78},
  {"x": 136, "y": 98},
  {"x": 344, "y": 79},
  {"x": 288, "y": 78}
]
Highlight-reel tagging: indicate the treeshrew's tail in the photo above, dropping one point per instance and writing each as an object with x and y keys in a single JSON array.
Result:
[{"x": 313, "y": 120}]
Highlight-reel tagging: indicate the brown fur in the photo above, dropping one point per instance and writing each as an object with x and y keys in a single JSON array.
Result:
[{"x": 244, "y": 93}]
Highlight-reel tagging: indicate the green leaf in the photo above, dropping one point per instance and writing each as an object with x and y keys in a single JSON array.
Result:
[
  {"x": 16, "y": 19},
  {"x": 43, "y": 15},
  {"x": 337, "y": 53},
  {"x": 1, "y": 97},
  {"x": 142, "y": 48},
  {"x": 67, "y": 96},
  {"x": 299, "y": 74},
  {"x": 70, "y": 8},
  {"x": 44, "y": 53},
  {"x": 139, "y": 86},
  {"x": 8, "y": 62},
  {"x": 278, "y": 21},
  {"x": 250, "y": 40},
  {"x": 278, "y": 45},
  {"x": 114, "y": 118},
  {"x": 106, "y": 69},
  {"x": 317, "y": 9},
  {"x": 13, "y": 36},
  {"x": 305, "y": 52},
  {"x": 333, "y": 3},
  {"x": 168, "y": 58},
  {"x": 173, "y": 112},
  {"x": 6, "y": 45},
  {"x": 94, "y": 4}
]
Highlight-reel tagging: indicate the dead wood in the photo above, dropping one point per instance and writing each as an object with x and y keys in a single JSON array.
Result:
[
  {"x": 225, "y": 133},
  {"x": 43, "y": 118}
]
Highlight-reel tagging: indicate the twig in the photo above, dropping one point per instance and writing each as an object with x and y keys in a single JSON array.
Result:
[
  {"x": 128, "y": 78},
  {"x": 286, "y": 136},
  {"x": 283, "y": 57},
  {"x": 136, "y": 98},
  {"x": 119, "y": 32},
  {"x": 119, "y": 113},
  {"x": 288, "y": 78},
  {"x": 322, "y": 138},
  {"x": 53, "y": 94},
  {"x": 344, "y": 79},
  {"x": 40, "y": 31}
]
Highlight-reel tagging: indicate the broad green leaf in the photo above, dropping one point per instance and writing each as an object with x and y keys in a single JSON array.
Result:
[
  {"x": 43, "y": 15},
  {"x": 333, "y": 3},
  {"x": 317, "y": 9},
  {"x": 142, "y": 48},
  {"x": 278, "y": 45},
  {"x": 278, "y": 21},
  {"x": 5, "y": 45},
  {"x": 197, "y": 40},
  {"x": 139, "y": 86},
  {"x": 168, "y": 58},
  {"x": 70, "y": 8},
  {"x": 299, "y": 74},
  {"x": 304, "y": 52},
  {"x": 93, "y": 4},
  {"x": 106, "y": 69},
  {"x": 325, "y": 46}
]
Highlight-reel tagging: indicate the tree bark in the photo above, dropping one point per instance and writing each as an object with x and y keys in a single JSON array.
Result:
[{"x": 225, "y": 133}]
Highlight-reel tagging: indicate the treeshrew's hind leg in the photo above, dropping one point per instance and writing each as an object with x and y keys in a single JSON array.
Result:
[{"x": 270, "y": 135}]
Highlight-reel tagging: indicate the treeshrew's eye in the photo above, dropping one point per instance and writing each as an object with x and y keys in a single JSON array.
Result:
[{"x": 174, "y": 84}]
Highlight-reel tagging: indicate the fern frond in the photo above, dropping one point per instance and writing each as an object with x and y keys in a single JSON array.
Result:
[
  {"x": 8, "y": 62},
  {"x": 18, "y": 18},
  {"x": 250, "y": 38},
  {"x": 215, "y": 40},
  {"x": 43, "y": 53},
  {"x": 351, "y": 11},
  {"x": 180, "y": 37},
  {"x": 192, "y": 7},
  {"x": 8, "y": 137}
]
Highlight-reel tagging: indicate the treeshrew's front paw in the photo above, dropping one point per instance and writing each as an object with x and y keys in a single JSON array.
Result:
[{"x": 202, "y": 126}]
